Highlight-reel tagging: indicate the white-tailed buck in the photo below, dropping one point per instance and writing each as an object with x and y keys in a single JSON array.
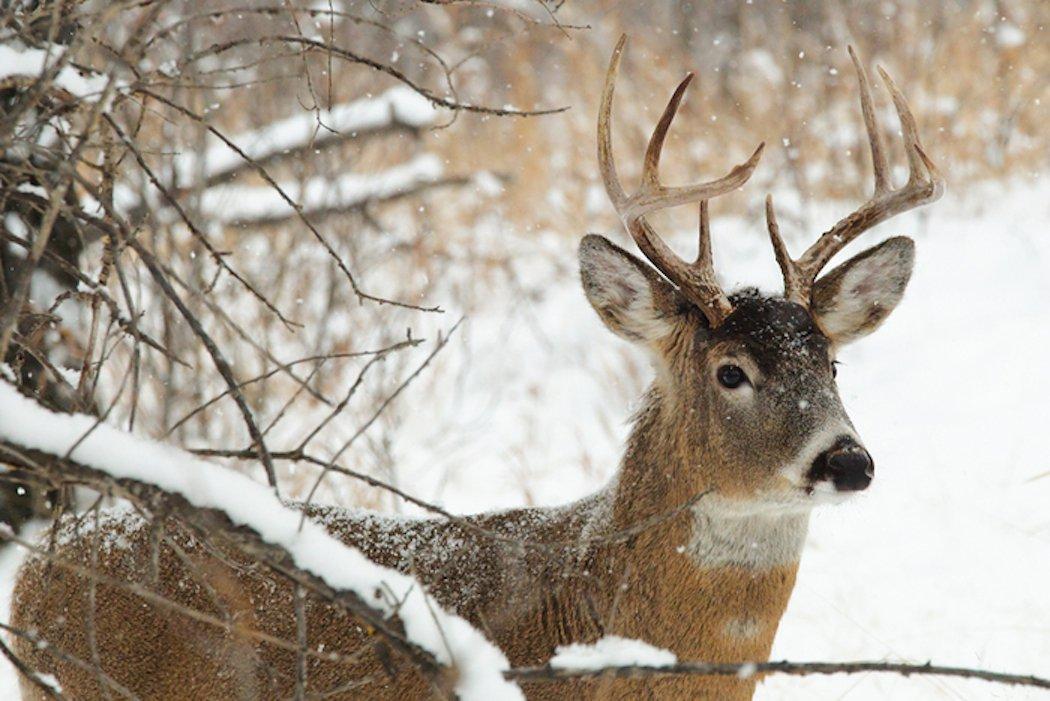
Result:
[{"x": 743, "y": 410}]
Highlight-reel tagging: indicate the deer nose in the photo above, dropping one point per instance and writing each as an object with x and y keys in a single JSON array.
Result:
[{"x": 850, "y": 467}]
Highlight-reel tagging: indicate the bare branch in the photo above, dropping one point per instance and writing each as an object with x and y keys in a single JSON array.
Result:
[
  {"x": 311, "y": 44},
  {"x": 747, "y": 669}
]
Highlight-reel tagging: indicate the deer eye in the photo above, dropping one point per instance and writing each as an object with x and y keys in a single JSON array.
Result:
[
  {"x": 731, "y": 376},
  {"x": 834, "y": 368}
]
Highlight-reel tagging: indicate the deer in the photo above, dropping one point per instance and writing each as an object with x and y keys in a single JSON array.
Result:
[{"x": 693, "y": 546}]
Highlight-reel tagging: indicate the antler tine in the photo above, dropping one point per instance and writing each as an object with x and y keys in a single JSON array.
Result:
[
  {"x": 653, "y": 195},
  {"x": 792, "y": 278},
  {"x": 909, "y": 130},
  {"x": 867, "y": 108},
  {"x": 925, "y": 184},
  {"x": 920, "y": 168},
  {"x": 606, "y": 161},
  {"x": 704, "y": 257},
  {"x": 697, "y": 280},
  {"x": 651, "y": 167}
]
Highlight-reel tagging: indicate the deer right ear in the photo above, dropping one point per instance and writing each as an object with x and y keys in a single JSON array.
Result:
[
  {"x": 633, "y": 300},
  {"x": 854, "y": 298}
]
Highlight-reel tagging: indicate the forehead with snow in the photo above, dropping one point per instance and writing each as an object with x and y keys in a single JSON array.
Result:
[{"x": 773, "y": 331}]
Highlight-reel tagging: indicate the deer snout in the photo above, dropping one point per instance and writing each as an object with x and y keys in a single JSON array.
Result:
[{"x": 847, "y": 465}]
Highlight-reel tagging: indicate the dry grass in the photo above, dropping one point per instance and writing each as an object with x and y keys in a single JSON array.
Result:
[{"x": 979, "y": 91}]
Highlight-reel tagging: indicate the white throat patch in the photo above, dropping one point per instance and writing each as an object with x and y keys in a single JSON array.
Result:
[{"x": 756, "y": 538}]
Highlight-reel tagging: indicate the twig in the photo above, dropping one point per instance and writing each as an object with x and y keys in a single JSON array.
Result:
[
  {"x": 219, "y": 259},
  {"x": 29, "y": 674},
  {"x": 216, "y": 355},
  {"x": 442, "y": 342},
  {"x": 296, "y": 206},
  {"x": 283, "y": 367},
  {"x": 346, "y": 54},
  {"x": 108, "y": 682}
]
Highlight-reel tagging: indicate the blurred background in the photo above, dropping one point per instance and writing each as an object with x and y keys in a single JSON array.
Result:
[{"x": 288, "y": 161}]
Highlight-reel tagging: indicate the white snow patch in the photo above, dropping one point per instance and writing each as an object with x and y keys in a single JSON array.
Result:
[
  {"x": 14, "y": 223},
  {"x": 611, "y": 651},
  {"x": 16, "y": 60},
  {"x": 50, "y": 681},
  {"x": 1009, "y": 36}
]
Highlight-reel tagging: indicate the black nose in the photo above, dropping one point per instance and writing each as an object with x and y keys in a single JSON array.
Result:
[{"x": 849, "y": 467}]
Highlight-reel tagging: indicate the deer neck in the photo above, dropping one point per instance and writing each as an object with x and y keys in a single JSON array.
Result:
[{"x": 716, "y": 550}]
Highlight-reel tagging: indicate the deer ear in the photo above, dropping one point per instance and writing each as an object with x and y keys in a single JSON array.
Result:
[
  {"x": 633, "y": 300},
  {"x": 853, "y": 299}
]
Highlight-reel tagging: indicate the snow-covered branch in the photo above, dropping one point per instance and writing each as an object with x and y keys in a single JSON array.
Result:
[
  {"x": 242, "y": 204},
  {"x": 248, "y": 514},
  {"x": 17, "y": 60},
  {"x": 397, "y": 109}
]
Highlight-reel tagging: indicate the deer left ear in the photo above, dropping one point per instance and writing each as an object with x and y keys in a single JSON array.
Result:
[
  {"x": 853, "y": 299},
  {"x": 633, "y": 300}
]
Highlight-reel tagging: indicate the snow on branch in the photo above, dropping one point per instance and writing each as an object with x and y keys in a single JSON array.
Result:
[
  {"x": 242, "y": 204},
  {"x": 611, "y": 651},
  {"x": 230, "y": 502},
  {"x": 397, "y": 108},
  {"x": 35, "y": 63}
]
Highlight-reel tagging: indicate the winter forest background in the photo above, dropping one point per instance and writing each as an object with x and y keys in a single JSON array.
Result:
[{"x": 370, "y": 210}]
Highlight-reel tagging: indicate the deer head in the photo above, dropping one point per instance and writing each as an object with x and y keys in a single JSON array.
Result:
[{"x": 751, "y": 378}]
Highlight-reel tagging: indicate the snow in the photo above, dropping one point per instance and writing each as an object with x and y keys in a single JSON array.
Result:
[
  {"x": 945, "y": 558},
  {"x": 611, "y": 651},
  {"x": 16, "y": 60},
  {"x": 243, "y": 203},
  {"x": 747, "y": 671},
  {"x": 398, "y": 106},
  {"x": 10, "y": 560},
  {"x": 1009, "y": 36},
  {"x": 231, "y": 203},
  {"x": 448, "y": 637},
  {"x": 50, "y": 681}
]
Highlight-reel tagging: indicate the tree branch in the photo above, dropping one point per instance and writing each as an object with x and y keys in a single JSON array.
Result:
[{"x": 547, "y": 673}]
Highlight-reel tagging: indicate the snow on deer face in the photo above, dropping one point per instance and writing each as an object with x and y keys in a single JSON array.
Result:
[{"x": 754, "y": 399}]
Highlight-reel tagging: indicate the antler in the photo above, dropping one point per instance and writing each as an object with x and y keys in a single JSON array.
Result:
[
  {"x": 924, "y": 185},
  {"x": 695, "y": 280}
]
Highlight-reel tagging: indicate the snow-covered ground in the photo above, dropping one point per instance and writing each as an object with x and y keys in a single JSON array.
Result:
[
  {"x": 948, "y": 557},
  {"x": 945, "y": 558}
]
